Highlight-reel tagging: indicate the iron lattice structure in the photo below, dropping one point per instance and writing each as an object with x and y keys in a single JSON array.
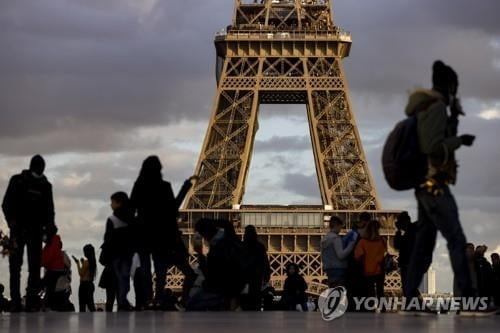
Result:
[{"x": 283, "y": 52}]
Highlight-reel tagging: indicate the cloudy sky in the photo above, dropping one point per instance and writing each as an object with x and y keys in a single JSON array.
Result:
[{"x": 97, "y": 85}]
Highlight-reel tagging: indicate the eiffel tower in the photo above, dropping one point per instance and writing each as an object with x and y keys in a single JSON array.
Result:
[{"x": 284, "y": 52}]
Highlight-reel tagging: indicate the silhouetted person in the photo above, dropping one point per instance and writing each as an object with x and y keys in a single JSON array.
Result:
[
  {"x": 294, "y": 291},
  {"x": 495, "y": 264},
  {"x": 4, "y": 302},
  {"x": 117, "y": 251},
  {"x": 28, "y": 207},
  {"x": 87, "y": 269},
  {"x": 404, "y": 241},
  {"x": 53, "y": 262},
  {"x": 334, "y": 255},
  {"x": 470, "y": 254},
  {"x": 223, "y": 268},
  {"x": 370, "y": 252},
  {"x": 260, "y": 271},
  {"x": 354, "y": 276},
  {"x": 437, "y": 209},
  {"x": 108, "y": 283},
  {"x": 157, "y": 210},
  {"x": 484, "y": 272}
]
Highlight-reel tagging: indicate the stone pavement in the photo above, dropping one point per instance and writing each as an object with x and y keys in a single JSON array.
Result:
[{"x": 238, "y": 322}]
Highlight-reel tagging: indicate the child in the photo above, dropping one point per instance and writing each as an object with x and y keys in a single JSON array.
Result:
[
  {"x": 117, "y": 247},
  {"x": 294, "y": 291},
  {"x": 87, "y": 270}
]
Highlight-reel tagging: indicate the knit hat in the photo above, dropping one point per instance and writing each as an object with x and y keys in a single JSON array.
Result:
[{"x": 443, "y": 76}]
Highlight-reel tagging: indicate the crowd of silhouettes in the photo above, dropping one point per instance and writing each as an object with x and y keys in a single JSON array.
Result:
[
  {"x": 141, "y": 239},
  {"x": 355, "y": 261},
  {"x": 485, "y": 275}
]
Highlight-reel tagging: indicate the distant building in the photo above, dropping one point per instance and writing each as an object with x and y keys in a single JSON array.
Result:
[{"x": 428, "y": 285}]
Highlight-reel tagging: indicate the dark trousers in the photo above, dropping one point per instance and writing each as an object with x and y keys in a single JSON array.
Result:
[
  {"x": 110, "y": 298},
  {"x": 50, "y": 281},
  {"x": 375, "y": 286},
  {"x": 143, "y": 281},
  {"x": 162, "y": 262},
  {"x": 403, "y": 271},
  {"x": 33, "y": 243},
  {"x": 86, "y": 296},
  {"x": 121, "y": 267},
  {"x": 437, "y": 213},
  {"x": 252, "y": 301}
]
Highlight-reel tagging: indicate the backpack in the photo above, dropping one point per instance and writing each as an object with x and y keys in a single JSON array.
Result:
[{"x": 403, "y": 164}]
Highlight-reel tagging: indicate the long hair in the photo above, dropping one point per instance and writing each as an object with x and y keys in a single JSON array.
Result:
[
  {"x": 89, "y": 253},
  {"x": 372, "y": 230},
  {"x": 150, "y": 170}
]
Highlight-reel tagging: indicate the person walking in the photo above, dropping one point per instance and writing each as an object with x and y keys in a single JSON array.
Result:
[{"x": 438, "y": 139}]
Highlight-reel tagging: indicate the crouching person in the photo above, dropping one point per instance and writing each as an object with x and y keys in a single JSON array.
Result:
[
  {"x": 57, "y": 278},
  {"x": 294, "y": 290},
  {"x": 222, "y": 267}
]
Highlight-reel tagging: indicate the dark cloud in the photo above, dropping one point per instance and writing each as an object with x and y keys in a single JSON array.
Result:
[
  {"x": 284, "y": 143},
  {"x": 395, "y": 44},
  {"x": 83, "y": 76},
  {"x": 306, "y": 186},
  {"x": 68, "y": 64}
]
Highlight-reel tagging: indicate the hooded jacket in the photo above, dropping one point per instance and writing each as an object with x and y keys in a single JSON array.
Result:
[
  {"x": 436, "y": 134},
  {"x": 28, "y": 203},
  {"x": 52, "y": 255}
]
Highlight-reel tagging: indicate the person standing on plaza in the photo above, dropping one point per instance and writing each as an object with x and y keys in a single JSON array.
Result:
[
  {"x": 160, "y": 238},
  {"x": 28, "y": 207}
]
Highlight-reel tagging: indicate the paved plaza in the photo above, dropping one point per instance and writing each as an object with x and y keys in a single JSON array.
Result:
[{"x": 239, "y": 322}]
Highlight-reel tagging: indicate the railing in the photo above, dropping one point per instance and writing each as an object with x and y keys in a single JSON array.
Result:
[
  {"x": 343, "y": 36},
  {"x": 188, "y": 217},
  {"x": 284, "y": 2}
]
